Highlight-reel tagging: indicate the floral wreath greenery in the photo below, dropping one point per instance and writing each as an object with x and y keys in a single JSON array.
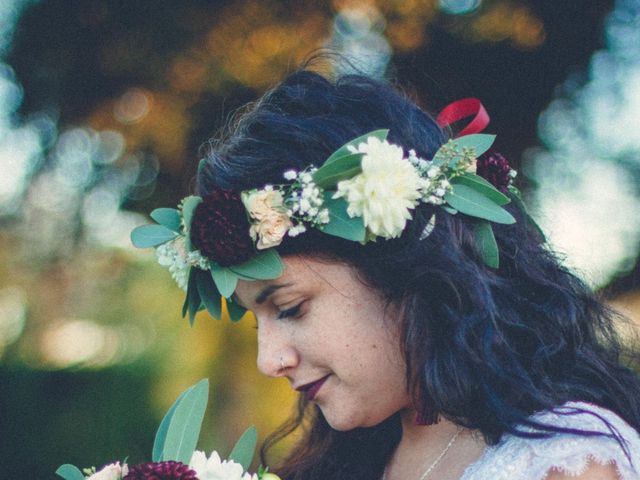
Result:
[{"x": 363, "y": 191}]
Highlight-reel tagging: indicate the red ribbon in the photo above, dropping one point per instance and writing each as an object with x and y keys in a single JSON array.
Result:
[{"x": 462, "y": 109}]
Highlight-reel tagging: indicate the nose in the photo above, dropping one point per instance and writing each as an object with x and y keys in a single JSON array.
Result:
[{"x": 277, "y": 355}]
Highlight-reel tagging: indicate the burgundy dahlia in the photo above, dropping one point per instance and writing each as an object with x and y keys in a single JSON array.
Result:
[
  {"x": 494, "y": 168},
  {"x": 220, "y": 229},
  {"x": 161, "y": 471}
]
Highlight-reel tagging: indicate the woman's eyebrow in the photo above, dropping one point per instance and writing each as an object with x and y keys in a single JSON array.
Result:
[{"x": 267, "y": 291}]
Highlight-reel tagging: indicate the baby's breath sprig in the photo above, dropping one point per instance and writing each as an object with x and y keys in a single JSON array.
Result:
[{"x": 304, "y": 201}]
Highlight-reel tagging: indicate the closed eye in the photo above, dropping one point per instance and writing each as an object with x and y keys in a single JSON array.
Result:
[{"x": 290, "y": 312}]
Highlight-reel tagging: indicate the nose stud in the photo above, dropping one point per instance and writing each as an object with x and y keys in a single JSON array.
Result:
[{"x": 282, "y": 367}]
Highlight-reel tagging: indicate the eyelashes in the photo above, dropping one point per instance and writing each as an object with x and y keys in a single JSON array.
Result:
[
  {"x": 290, "y": 312},
  {"x": 293, "y": 312}
]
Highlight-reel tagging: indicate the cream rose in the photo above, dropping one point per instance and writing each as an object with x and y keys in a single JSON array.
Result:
[
  {"x": 271, "y": 229},
  {"x": 263, "y": 203}
]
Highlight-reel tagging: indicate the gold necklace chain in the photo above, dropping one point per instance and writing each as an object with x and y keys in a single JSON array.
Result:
[{"x": 437, "y": 460}]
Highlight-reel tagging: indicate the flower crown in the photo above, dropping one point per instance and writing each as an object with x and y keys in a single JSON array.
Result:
[{"x": 363, "y": 191}]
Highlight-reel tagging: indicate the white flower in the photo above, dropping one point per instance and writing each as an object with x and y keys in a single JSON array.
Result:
[
  {"x": 290, "y": 175},
  {"x": 173, "y": 255},
  {"x": 113, "y": 471},
  {"x": 297, "y": 230},
  {"x": 473, "y": 166},
  {"x": 388, "y": 187},
  {"x": 178, "y": 260},
  {"x": 213, "y": 468},
  {"x": 433, "y": 172}
]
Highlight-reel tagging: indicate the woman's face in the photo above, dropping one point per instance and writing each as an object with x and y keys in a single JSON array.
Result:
[{"x": 335, "y": 338}]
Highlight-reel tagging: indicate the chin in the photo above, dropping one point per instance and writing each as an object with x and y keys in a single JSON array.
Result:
[{"x": 342, "y": 422}]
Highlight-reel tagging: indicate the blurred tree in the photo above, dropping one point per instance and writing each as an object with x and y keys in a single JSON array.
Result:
[{"x": 120, "y": 97}]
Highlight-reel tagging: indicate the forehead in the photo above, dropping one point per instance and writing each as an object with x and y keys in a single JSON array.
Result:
[{"x": 300, "y": 273}]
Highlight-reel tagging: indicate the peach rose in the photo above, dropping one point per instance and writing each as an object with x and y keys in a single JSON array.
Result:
[
  {"x": 271, "y": 229},
  {"x": 263, "y": 203}
]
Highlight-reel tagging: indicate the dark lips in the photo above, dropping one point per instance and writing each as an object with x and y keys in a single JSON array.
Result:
[{"x": 310, "y": 390}]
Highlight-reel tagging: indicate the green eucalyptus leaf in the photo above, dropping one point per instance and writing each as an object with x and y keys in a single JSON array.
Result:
[
  {"x": 449, "y": 209},
  {"x": 209, "y": 294},
  {"x": 340, "y": 223},
  {"x": 69, "y": 472},
  {"x": 224, "y": 279},
  {"x": 201, "y": 164},
  {"x": 344, "y": 150},
  {"x": 168, "y": 217},
  {"x": 342, "y": 168},
  {"x": 486, "y": 242},
  {"x": 480, "y": 142},
  {"x": 480, "y": 185},
  {"x": 264, "y": 266},
  {"x": 470, "y": 202},
  {"x": 185, "y": 305},
  {"x": 185, "y": 424},
  {"x": 193, "y": 296},
  {"x": 236, "y": 312},
  {"x": 244, "y": 448},
  {"x": 146, "y": 236},
  {"x": 161, "y": 434},
  {"x": 189, "y": 205}
]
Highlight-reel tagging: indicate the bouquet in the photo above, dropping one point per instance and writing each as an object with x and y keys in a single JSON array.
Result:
[{"x": 174, "y": 455}]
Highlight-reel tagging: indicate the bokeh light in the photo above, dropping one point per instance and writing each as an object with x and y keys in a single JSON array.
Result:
[
  {"x": 459, "y": 7},
  {"x": 588, "y": 195}
]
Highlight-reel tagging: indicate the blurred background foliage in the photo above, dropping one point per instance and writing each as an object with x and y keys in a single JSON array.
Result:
[{"x": 104, "y": 109}]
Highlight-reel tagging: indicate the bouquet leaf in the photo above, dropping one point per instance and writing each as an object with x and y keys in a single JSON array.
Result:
[
  {"x": 480, "y": 185},
  {"x": 224, "y": 279},
  {"x": 244, "y": 448},
  {"x": 344, "y": 150},
  {"x": 486, "y": 243},
  {"x": 168, "y": 217},
  {"x": 151, "y": 235},
  {"x": 209, "y": 294},
  {"x": 341, "y": 168},
  {"x": 470, "y": 202},
  {"x": 161, "y": 434},
  {"x": 340, "y": 223},
  {"x": 264, "y": 266},
  {"x": 183, "y": 430},
  {"x": 70, "y": 472}
]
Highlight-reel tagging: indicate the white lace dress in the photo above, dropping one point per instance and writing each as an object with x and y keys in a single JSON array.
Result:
[{"x": 516, "y": 458}]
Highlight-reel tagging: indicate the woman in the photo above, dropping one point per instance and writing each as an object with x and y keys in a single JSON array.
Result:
[{"x": 426, "y": 349}]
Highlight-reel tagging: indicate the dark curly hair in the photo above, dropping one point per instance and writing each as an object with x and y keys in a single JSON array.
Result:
[{"x": 484, "y": 348}]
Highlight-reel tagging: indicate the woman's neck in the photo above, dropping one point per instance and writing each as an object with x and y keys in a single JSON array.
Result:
[{"x": 421, "y": 445}]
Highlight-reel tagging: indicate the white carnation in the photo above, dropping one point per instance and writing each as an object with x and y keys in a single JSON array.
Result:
[
  {"x": 388, "y": 187},
  {"x": 213, "y": 468}
]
